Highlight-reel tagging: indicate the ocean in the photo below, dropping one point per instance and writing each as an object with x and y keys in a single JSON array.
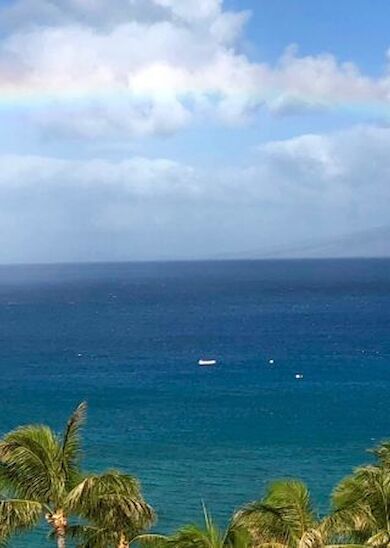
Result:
[{"x": 127, "y": 338}]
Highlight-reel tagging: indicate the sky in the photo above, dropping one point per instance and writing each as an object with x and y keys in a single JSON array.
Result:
[{"x": 190, "y": 129}]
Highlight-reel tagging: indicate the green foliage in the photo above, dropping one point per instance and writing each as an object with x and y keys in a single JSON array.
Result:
[
  {"x": 71, "y": 452},
  {"x": 17, "y": 515},
  {"x": 37, "y": 470},
  {"x": 283, "y": 517},
  {"x": 209, "y": 535},
  {"x": 362, "y": 502},
  {"x": 113, "y": 503},
  {"x": 41, "y": 477},
  {"x": 40, "y": 466}
]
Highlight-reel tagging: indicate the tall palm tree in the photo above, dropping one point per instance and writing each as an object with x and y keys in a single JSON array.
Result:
[
  {"x": 41, "y": 470},
  {"x": 209, "y": 535}
]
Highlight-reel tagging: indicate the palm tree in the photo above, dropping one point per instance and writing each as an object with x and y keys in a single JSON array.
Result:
[
  {"x": 41, "y": 468},
  {"x": 362, "y": 505},
  {"x": 285, "y": 518},
  {"x": 207, "y": 536},
  {"x": 41, "y": 471}
]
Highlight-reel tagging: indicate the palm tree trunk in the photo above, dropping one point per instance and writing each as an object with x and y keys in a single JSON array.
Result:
[
  {"x": 60, "y": 536},
  {"x": 59, "y": 523},
  {"x": 123, "y": 543}
]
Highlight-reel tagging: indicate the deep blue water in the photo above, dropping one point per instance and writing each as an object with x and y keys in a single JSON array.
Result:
[{"x": 127, "y": 337}]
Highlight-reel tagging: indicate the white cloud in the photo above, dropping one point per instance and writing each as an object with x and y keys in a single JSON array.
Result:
[
  {"x": 136, "y": 68},
  {"x": 308, "y": 188},
  {"x": 134, "y": 78},
  {"x": 28, "y": 14},
  {"x": 103, "y": 14},
  {"x": 322, "y": 80},
  {"x": 193, "y": 9}
]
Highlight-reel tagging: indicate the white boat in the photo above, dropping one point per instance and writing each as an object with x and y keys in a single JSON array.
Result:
[{"x": 207, "y": 363}]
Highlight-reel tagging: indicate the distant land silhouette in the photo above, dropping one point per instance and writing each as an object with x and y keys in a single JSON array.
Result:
[{"x": 373, "y": 242}]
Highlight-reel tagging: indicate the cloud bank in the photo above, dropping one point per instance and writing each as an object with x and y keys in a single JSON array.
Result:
[{"x": 145, "y": 208}]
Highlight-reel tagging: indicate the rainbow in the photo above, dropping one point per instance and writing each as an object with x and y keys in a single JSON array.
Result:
[{"x": 33, "y": 98}]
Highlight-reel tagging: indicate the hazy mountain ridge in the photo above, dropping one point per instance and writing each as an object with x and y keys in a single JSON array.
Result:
[{"x": 371, "y": 243}]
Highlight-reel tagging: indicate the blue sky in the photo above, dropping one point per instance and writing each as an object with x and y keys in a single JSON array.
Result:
[
  {"x": 191, "y": 128},
  {"x": 351, "y": 30}
]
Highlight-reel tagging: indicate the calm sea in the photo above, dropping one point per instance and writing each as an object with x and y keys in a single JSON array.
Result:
[{"x": 127, "y": 338}]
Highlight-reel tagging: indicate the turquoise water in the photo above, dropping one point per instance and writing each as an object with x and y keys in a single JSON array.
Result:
[{"x": 127, "y": 339}]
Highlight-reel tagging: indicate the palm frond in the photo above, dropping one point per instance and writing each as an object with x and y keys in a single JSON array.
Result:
[
  {"x": 382, "y": 538},
  {"x": 91, "y": 536},
  {"x": 151, "y": 540},
  {"x": 271, "y": 544},
  {"x": 264, "y": 522},
  {"x": 292, "y": 498},
  {"x": 282, "y": 517},
  {"x": 362, "y": 504},
  {"x": 71, "y": 445},
  {"x": 382, "y": 453},
  {"x": 30, "y": 462},
  {"x": 237, "y": 536},
  {"x": 208, "y": 535},
  {"x": 346, "y": 545},
  {"x": 17, "y": 515},
  {"x": 111, "y": 498},
  {"x": 194, "y": 536},
  {"x": 311, "y": 539}
]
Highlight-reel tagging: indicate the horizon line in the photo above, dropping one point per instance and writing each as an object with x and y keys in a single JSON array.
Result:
[{"x": 196, "y": 260}]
